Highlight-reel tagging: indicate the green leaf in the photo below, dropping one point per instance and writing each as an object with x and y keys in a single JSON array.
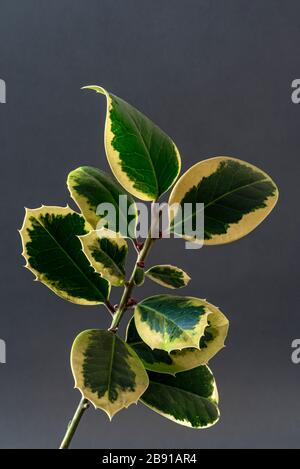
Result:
[
  {"x": 171, "y": 322},
  {"x": 142, "y": 157},
  {"x": 189, "y": 398},
  {"x": 139, "y": 276},
  {"x": 211, "y": 342},
  {"x": 168, "y": 276},
  {"x": 53, "y": 253},
  {"x": 107, "y": 371},
  {"x": 236, "y": 195},
  {"x": 90, "y": 187},
  {"x": 107, "y": 253}
]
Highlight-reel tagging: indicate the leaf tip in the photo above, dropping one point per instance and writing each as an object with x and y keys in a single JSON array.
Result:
[{"x": 96, "y": 88}]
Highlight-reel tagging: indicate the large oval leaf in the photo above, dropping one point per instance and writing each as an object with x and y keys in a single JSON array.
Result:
[
  {"x": 53, "y": 253},
  {"x": 211, "y": 342},
  {"x": 236, "y": 195},
  {"x": 107, "y": 253},
  {"x": 107, "y": 371},
  {"x": 142, "y": 157},
  {"x": 189, "y": 398},
  {"x": 90, "y": 187},
  {"x": 169, "y": 323},
  {"x": 168, "y": 276}
]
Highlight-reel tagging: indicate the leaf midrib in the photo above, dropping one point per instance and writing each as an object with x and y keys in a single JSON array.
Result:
[
  {"x": 73, "y": 262},
  {"x": 113, "y": 346},
  {"x": 182, "y": 390},
  {"x": 224, "y": 195},
  {"x": 146, "y": 150},
  {"x": 166, "y": 276},
  {"x": 166, "y": 318},
  {"x": 118, "y": 271},
  {"x": 140, "y": 342},
  {"x": 235, "y": 190},
  {"x": 111, "y": 194}
]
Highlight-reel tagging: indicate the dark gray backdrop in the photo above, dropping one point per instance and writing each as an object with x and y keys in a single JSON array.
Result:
[{"x": 216, "y": 75}]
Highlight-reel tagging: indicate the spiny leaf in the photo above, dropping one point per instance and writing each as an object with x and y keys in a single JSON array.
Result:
[
  {"x": 107, "y": 371},
  {"x": 236, "y": 195},
  {"x": 168, "y": 276},
  {"x": 90, "y": 187},
  {"x": 53, "y": 253},
  {"x": 107, "y": 253},
  {"x": 142, "y": 157},
  {"x": 189, "y": 398},
  {"x": 211, "y": 342},
  {"x": 171, "y": 322}
]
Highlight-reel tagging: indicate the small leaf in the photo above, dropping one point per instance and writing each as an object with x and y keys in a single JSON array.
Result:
[
  {"x": 53, "y": 253},
  {"x": 211, "y": 342},
  {"x": 171, "y": 322},
  {"x": 90, "y": 187},
  {"x": 237, "y": 197},
  {"x": 168, "y": 276},
  {"x": 139, "y": 276},
  {"x": 107, "y": 253},
  {"x": 189, "y": 398},
  {"x": 142, "y": 157},
  {"x": 107, "y": 371}
]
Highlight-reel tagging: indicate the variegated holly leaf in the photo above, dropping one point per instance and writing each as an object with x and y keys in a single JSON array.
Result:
[
  {"x": 142, "y": 157},
  {"x": 211, "y": 342},
  {"x": 169, "y": 323},
  {"x": 107, "y": 371},
  {"x": 107, "y": 253},
  {"x": 236, "y": 195},
  {"x": 189, "y": 398},
  {"x": 90, "y": 187},
  {"x": 53, "y": 253},
  {"x": 168, "y": 276}
]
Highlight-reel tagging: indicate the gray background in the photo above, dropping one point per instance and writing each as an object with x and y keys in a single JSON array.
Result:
[{"x": 215, "y": 75}]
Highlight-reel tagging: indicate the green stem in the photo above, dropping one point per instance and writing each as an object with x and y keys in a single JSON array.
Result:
[
  {"x": 73, "y": 424},
  {"x": 129, "y": 286},
  {"x": 117, "y": 316}
]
